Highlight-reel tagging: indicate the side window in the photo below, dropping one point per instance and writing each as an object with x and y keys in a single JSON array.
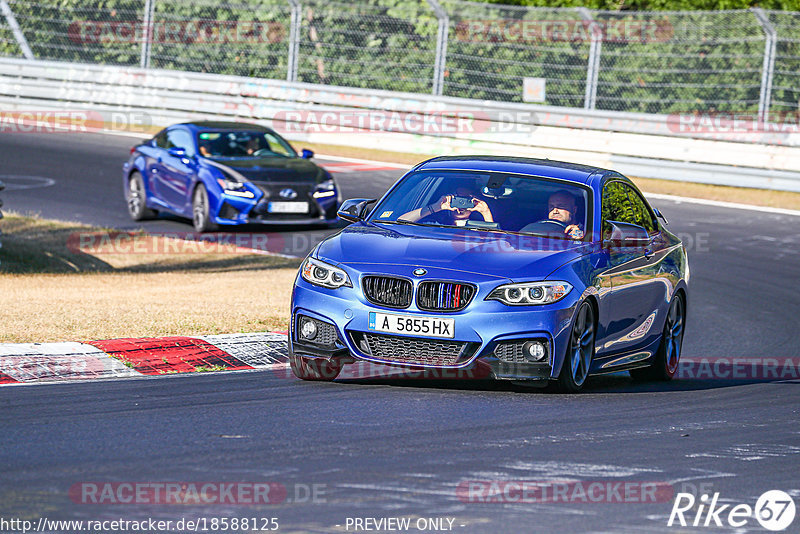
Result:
[
  {"x": 161, "y": 139},
  {"x": 276, "y": 146},
  {"x": 616, "y": 206},
  {"x": 641, "y": 214},
  {"x": 181, "y": 139}
]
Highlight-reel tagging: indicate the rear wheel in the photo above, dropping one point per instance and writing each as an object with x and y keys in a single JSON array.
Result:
[
  {"x": 580, "y": 352},
  {"x": 136, "y": 198},
  {"x": 201, "y": 219},
  {"x": 313, "y": 368},
  {"x": 669, "y": 351}
]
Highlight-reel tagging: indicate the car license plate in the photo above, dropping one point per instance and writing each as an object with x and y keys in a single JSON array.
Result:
[
  {"x": 412, "y": 324},
  {"x": 287, "y": 207}
]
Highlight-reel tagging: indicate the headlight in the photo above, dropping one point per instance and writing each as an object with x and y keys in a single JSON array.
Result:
[
  {"x": 233, "y": 187},
  {"x": 530, "y": 293},
  {"x": 325, "y": 189},
  {"x": 327, "y": 185},
  {"x": 322, "y": 274}
]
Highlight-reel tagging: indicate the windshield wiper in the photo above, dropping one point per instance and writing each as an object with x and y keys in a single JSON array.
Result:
[{"x": 402, "y": 221}]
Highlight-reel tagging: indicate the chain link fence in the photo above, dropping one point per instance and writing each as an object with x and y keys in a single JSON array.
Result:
[{"x": 653, "y": 62}]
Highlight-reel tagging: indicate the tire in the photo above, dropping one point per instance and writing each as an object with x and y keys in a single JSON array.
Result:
[
  {"x": 201, "y": 220},
  {"x": 136, "y": 198},
  {"x": 580, "y": 351},
  {"x": 668, "y": 355},
  {"x": 314, "y": 369}
]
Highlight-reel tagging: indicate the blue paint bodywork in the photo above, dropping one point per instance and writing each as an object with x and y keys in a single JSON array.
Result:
[
  {"x": 170, "y": 181},
  {"x": 631, "y": 290}
]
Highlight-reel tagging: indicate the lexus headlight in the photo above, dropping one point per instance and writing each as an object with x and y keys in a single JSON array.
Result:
[
  {"x": 234, "y": 187},
  {"x": 322, "y": 274},
  {"x": 530, "y": 293},
  {"x": 326, "y": 185}
]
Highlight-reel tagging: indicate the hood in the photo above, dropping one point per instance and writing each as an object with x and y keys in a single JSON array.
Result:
[
  {"x": 516, "y": 257},
  {"x": 267, "y": 170}
]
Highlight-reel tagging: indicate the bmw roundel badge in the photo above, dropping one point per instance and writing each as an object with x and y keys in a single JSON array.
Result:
[{"x": 420, "y": 272}]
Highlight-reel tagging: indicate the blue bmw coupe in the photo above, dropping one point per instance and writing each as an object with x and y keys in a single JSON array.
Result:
[
  {"x": 523, "y": 269},
  {"x": 227, "y": 173}
]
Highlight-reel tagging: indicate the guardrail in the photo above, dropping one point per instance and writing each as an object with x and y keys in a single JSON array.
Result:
[{"x": 425, "y": 124}]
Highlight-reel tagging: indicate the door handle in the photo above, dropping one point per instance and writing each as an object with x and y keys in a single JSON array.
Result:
[{"x": 649, "y": 253}]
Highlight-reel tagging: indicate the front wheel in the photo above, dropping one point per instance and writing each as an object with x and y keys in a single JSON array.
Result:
[
  {"x": 668, "y": 356},
  {"x": 580, "y": 352},
  {"x": 201, "y": 219},
  {"x": 136, "y": 198},
  {"x": 313, "y": 368}
]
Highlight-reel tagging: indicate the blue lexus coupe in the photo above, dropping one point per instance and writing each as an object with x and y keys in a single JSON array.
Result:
[
  {"x": 519, "y": 269},
  {"x": 227, "y": 173}
]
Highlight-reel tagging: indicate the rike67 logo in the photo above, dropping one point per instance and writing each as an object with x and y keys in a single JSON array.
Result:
[{"x": 774, "y": 510}]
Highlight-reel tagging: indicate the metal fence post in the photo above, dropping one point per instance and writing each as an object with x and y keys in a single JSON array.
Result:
[
  {"x": 441, "y": 47},
  {"x": 147, "y": 35},
  {"x": 16, "y": 30},
  {"x": 294, "y": 42},
  {"x": 593, "y": 65},
  {"x": 768, "y": 68}
]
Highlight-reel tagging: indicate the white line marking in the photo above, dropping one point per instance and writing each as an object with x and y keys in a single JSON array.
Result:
[
  {"x": 722, "y": 204},
  {"x": 371, "y": 161}
]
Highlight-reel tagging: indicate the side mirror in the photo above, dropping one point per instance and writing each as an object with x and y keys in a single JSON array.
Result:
[
  {"x": 660, "y": 216},
  {"x": 353, "y": 209},
  {"x": 626, "y": 235},
  {"x": 178, "y": 152},
  {"x": 307, "y": 154}
]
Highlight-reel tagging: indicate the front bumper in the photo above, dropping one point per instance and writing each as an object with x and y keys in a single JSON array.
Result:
[
  {"x": 236, "y": 210},
  {"x": 482, "y": 325}
]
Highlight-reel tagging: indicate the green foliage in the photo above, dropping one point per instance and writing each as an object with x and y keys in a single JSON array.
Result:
[{"x": 692, "y": 60}]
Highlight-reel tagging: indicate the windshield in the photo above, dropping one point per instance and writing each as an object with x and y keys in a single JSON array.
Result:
[
  {"x": 243, "y": 144},
  {"x": 488, "y": 201}
]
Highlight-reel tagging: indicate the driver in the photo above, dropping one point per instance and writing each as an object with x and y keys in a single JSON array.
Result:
[
  {"x": 562, "y": 208},
  {"x": 253, "y": 146},
  {"x": 442, "y": 211}
]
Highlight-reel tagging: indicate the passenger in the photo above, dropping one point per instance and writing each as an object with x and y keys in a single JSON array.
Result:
[{"x": 443, "y": 212}]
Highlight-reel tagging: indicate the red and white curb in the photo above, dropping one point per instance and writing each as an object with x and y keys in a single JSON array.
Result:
[{"x": 131, "y": 357}]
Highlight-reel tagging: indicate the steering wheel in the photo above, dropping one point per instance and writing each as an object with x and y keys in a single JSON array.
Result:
[
  {"x": 552, "y": 221},
  {"x": 545, "y": 226}
]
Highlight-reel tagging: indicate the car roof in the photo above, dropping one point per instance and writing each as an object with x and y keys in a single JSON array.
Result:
[
  {"x": 574, "y": 172},
  {"x": 225, "y": 125}
]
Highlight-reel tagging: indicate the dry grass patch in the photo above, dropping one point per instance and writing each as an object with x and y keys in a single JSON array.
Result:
[
  {"x": 82, "y": 307},
  {"x": 54, "y": 291}
]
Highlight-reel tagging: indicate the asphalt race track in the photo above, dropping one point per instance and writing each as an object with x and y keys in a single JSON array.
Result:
[{"x": 381, "y": 449}]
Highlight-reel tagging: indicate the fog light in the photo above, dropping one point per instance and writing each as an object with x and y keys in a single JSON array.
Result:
[
  {"x": 308, "y": 330},
  {"x": 534, "y": 351}
]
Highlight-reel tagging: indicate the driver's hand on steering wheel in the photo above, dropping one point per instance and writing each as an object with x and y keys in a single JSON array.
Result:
[{"x": 574, "y": 231}]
